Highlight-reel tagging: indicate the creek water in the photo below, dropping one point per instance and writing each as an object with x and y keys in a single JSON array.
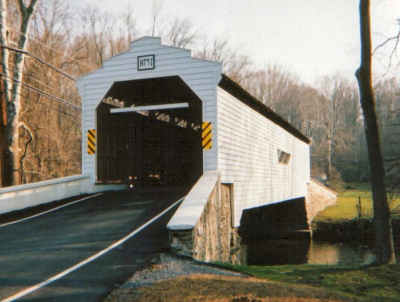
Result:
[{"x": 279, "y": 252}]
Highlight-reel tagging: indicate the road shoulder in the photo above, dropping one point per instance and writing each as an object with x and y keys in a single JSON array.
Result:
[{"x": 171, "y": 278}]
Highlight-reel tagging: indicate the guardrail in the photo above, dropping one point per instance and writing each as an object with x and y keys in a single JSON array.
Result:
[
  {"x": 34, "y": 194},
  {"x": 192, "y": 207}
]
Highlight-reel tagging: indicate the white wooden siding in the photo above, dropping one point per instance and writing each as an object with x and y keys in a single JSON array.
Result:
[
  {"x": 247, "y": 156},
  {"x": 200, "y": 75}
]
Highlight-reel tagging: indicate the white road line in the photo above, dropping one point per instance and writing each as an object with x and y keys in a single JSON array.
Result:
[
  {"x": 38, "y": 286},
  {"x": 51, "y": 210}
]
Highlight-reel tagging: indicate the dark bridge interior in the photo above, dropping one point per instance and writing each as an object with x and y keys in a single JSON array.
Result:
[{"x": 153, "y": 147}]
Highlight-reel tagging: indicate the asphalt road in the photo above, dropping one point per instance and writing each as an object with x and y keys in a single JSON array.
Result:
[{"x": 34, "y": 250}]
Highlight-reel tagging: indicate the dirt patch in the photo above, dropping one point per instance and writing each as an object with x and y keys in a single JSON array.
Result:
[
  {"x": 214, "y": 288},
  {"x": 175, "y": 279}
]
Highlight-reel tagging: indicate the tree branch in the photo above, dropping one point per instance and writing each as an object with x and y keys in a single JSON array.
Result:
[
  {"x": 39, "y": 60},
  {"x": 32, "y": 4},
  {"x": 396, "y": 39},
  {"x": 27, "y": 143}
]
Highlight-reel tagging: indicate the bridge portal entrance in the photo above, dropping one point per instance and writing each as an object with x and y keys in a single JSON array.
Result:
[{"x": 149, "y": 130}]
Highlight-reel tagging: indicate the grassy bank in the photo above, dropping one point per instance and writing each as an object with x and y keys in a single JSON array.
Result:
[
  {"x": 173, "y": 278},
  {"x": 350, "y": 219},
  {"x": 287, "y": 283},
  {"x": 213, "y": 288},
  {"x": 346, "y": 207},
  {"x": 359, "y": 284}
]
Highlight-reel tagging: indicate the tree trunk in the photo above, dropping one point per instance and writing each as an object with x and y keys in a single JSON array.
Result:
[
  {"x": 384, "y": 247},
  {"x": 11, "y": 84},
  {"x": 329, "y": 171},
  {"x": 6, "y": 163},
  {"x": 3, "y": 148}
]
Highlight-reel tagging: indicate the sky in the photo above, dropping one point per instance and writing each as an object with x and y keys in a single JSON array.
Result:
[{"x": 311, "y": 38}]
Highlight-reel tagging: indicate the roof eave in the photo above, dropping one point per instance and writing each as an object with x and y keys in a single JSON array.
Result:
[{"x": 241, "y": 94}]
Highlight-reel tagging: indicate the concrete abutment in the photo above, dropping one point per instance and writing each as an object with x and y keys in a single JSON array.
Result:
[
  {"x": 283, "y": 220},
  {"x": 210, "y": 236}
]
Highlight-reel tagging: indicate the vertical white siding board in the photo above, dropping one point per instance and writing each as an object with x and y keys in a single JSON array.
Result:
[
  {"x": 82, "y": 92},
  {"x": 87, "y": 160}
]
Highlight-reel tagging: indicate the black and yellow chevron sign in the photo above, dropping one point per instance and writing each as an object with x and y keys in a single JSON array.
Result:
[
  {"x": 91, "y": 141},
  {"x": 206, "y": 135}
]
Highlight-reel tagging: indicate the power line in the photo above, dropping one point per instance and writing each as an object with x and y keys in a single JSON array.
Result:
[
  {"x": 34, "y": 64},
  {"x": 26, "y": 95},
  {"x": 38, "y": 81},
  {"x": 33, "y": 78},
  {"x": 40, "y": 42},
  {"x": 72, "y": 116},
  {"x": 29, "y": 37},
  {"x": 38, "y": 59},
  {"x": 43, "y": 93}
]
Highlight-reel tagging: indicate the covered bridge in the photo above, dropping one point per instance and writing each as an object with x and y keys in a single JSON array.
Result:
[{"x": 160, "y": 117}]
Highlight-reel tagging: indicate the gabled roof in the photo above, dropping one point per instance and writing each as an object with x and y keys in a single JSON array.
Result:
[{"x": 241, "y": 94}]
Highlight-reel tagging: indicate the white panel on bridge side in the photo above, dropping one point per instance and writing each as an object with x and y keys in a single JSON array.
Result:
[
  {"x": 248, "y": 144},
  {"x": 200, "y": 75}
]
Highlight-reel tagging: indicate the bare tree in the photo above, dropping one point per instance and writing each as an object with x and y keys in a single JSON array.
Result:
[
  {"x": 179, "y": 33},
  {"x": 384, "y": 247},
  {"x": 104, "y": 34},
  {"x": 388, "y": 109},
  {"x": 391, "y": 42},
  {"x": 341, "y": 115},
  {"x": 236, "y": 65},
  {"x": 12, "y": 68},
  {"x": 55, "y": 152},
  {"x": 156, "y": 11},
  {"x": 98, "y": 28},
  {"x": 273, "y": 84}
]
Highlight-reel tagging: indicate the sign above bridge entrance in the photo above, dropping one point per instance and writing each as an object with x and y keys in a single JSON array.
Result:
[{"x": 146, "y": 62}]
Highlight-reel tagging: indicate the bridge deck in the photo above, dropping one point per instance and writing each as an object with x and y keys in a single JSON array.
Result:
[{"x": 36, "y": 249}]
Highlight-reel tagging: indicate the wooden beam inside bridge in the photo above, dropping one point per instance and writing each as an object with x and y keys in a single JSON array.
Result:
[{"x": 150, "y": 107}]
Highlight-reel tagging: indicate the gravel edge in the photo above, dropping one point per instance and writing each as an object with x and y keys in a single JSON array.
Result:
[{"x": 164, "y": 267}]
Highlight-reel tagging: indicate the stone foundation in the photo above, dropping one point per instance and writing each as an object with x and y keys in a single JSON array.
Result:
[{"x": 211, "y": 237}]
